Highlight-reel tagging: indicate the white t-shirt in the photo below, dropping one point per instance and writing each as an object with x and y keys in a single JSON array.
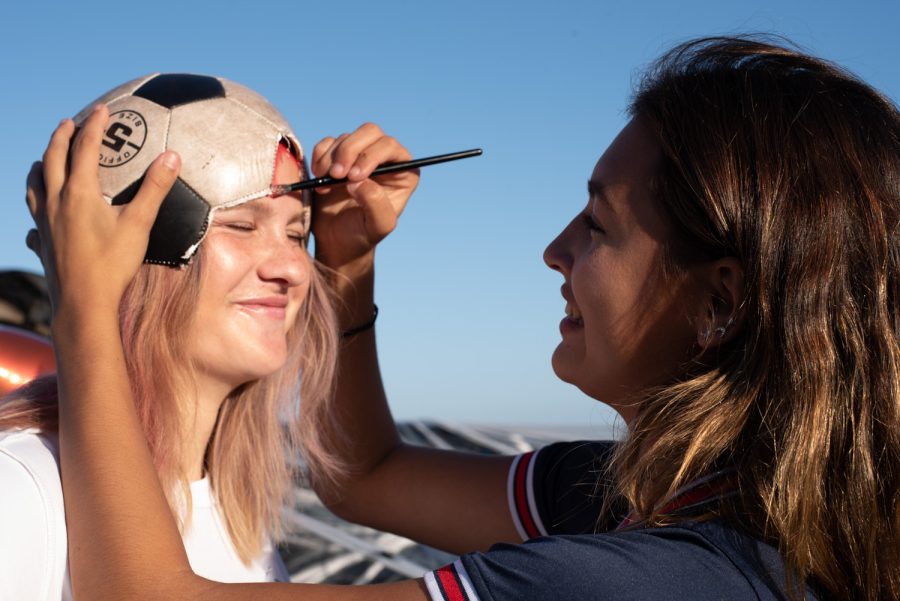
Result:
[{"x": 33, "y": 544}]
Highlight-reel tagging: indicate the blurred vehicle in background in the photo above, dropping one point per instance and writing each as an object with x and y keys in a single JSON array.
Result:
[{"x": 25, "y": 348}]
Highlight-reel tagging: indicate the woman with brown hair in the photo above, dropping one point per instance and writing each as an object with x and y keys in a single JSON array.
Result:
[{"x": 731, "y": 290}]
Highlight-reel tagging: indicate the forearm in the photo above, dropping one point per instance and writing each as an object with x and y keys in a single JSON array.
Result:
[
  {"x": 401, "y": 488},
  {"x": 108, "y": 504},
  {"x": 365, "y": 433},
  {"x": 450, "y": 500},
  {"x": 348, "y": 223}
]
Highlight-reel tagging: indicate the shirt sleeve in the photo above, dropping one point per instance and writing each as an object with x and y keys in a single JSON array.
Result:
[
  {"x": 25, "y": 541},
  {"x": 670, "y": 563},
  {"x": 561, "y": 489}
]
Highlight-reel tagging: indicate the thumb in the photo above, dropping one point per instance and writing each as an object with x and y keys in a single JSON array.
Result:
[{"x": 158, "y": 180}]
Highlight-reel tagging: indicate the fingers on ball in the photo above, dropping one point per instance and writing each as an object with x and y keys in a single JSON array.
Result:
[
  {"x": 56, "y": 155},
  {"x": 156, "y": 185},
  {"x": 87, "y": 143},
  {"x": 33, "y": 241},
  {"x": 35, "y": 195}
]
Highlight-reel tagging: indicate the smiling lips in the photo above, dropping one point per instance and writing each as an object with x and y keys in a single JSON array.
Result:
[
  {"x": 268, "y": 306},
  {"x": 573, "y": 315}
]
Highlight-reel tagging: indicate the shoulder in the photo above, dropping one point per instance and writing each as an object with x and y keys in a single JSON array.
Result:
[
  {"x": 32, "y": 518},
  {"x": 696, "y": 561},
  {"x": 30, "y": 458},
  {"x": 562, "y": 488},
  {"x": 31, "y": 447}
]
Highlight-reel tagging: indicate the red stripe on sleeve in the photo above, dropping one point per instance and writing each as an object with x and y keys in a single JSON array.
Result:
[
  {"x": 446, "y": 577},
  {"x": 522, "y": 496}
]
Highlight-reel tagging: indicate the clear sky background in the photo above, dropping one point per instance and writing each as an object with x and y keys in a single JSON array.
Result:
[{"x": 469, "y": 313}]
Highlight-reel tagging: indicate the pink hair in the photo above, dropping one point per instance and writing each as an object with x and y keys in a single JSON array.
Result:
[{"x": 251, "y": 457}]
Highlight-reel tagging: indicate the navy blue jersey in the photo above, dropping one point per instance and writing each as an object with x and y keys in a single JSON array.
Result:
[
  {"x": 573, "y": 552},
  {"x": 560, "y": 489},
  {"x": 694, "y": 561}
]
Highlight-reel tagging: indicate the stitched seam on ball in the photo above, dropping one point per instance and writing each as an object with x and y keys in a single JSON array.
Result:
[
  {"x": 131, "y": 93},
  {"x": 282, "y": 132},
  {"x": 162, "y": 262},
  {"x": 275, "y": 161},
  {"x": 245, "y": 198},
  {"x": 168, "y": 127},
  {"x": 134, "y": 89},
  {"x": 274, "y": 125}
]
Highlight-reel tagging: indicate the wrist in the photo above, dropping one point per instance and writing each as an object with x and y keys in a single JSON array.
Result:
[
  {"x": 353, "y": 285},
  {"x": 362, "y": 327},
  {"x": 355, "y": 301},
  {"x": 71, "y": 322},
  {"x": 348, "y": 271}
]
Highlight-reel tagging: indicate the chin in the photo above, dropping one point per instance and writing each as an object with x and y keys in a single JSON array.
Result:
[
  {"x": 561, "y": 367},
  {"x": 265, "y": 364},
  {"x": 264, "y": 371},
  {"x": 572, "y": 371}
]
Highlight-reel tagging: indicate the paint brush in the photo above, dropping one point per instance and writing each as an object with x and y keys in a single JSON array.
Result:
[{"x": 281, "y": 189}]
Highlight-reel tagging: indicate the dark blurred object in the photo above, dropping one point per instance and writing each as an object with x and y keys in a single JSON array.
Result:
[
  {"x": 24, "y": 302},
  {"x": 23, "y": 356}
]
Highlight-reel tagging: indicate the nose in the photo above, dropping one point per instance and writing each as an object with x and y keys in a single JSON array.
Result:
[
  {"x": 285, "y": 263},
  {"x": 558, "y": 254}
]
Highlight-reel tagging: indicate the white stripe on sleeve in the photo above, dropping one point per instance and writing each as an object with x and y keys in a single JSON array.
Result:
[
  {"x": 532, "y": 505},
  {"x": 511, "y": 498},
  {"x": 466, "y": 581}
]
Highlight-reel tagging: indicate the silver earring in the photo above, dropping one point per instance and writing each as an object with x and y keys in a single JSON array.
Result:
[{"x": 720, "y": 331}]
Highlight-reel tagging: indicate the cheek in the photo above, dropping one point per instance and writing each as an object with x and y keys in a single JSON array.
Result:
[
  {"x": 298, "y": 295},
  {"x": 603, "y": 287},
  {"x": 622, "y": 300},
  {"x": 223, "y": 265}
]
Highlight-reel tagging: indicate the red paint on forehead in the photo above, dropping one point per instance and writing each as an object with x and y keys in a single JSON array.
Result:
[{"x": 284, "y": 153}]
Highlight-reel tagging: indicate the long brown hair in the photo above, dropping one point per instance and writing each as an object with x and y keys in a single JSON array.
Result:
[
  {"x": 252, "y": 457},
  {"x": 791, "y": 165}
]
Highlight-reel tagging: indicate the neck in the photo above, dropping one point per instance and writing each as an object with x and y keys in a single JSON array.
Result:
[{"x": 199, "y": 426}]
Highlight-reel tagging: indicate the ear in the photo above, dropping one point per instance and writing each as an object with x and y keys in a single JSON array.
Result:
[{"x": 721, "y": 306}]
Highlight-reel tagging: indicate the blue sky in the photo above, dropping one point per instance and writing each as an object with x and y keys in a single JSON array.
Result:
[{"x": 469, "y": 313}]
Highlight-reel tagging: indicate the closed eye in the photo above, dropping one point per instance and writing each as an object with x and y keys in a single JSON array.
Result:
[
  {"x": 240, "y": 225},
  {"x": 301, "y": 238},
  {"x": 592, "y": 225}
]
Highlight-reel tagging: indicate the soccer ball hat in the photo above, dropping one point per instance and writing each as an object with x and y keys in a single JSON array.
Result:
[{"x": 226, "y": 134}]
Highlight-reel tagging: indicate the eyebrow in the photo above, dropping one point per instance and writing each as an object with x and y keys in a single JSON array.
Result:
[{"x": 266, "y": 211}]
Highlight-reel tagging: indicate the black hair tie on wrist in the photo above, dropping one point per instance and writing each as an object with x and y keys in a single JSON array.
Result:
[{"x": 363, "y": 327}]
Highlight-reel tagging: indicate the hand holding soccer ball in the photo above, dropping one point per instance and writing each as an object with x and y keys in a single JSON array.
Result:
[{"x": 90, "y": 252}]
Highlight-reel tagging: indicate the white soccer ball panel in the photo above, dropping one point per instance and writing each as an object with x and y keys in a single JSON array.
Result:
[
  {"x": 228, "y": 152},
  {"x": 117, "y": 92},
  {"x": 134, "y": 136},
  {"x": 260, "y": 106}
]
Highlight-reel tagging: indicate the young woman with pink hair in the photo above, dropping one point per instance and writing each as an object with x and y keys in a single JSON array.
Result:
[{"x": 218, "y": 354}]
